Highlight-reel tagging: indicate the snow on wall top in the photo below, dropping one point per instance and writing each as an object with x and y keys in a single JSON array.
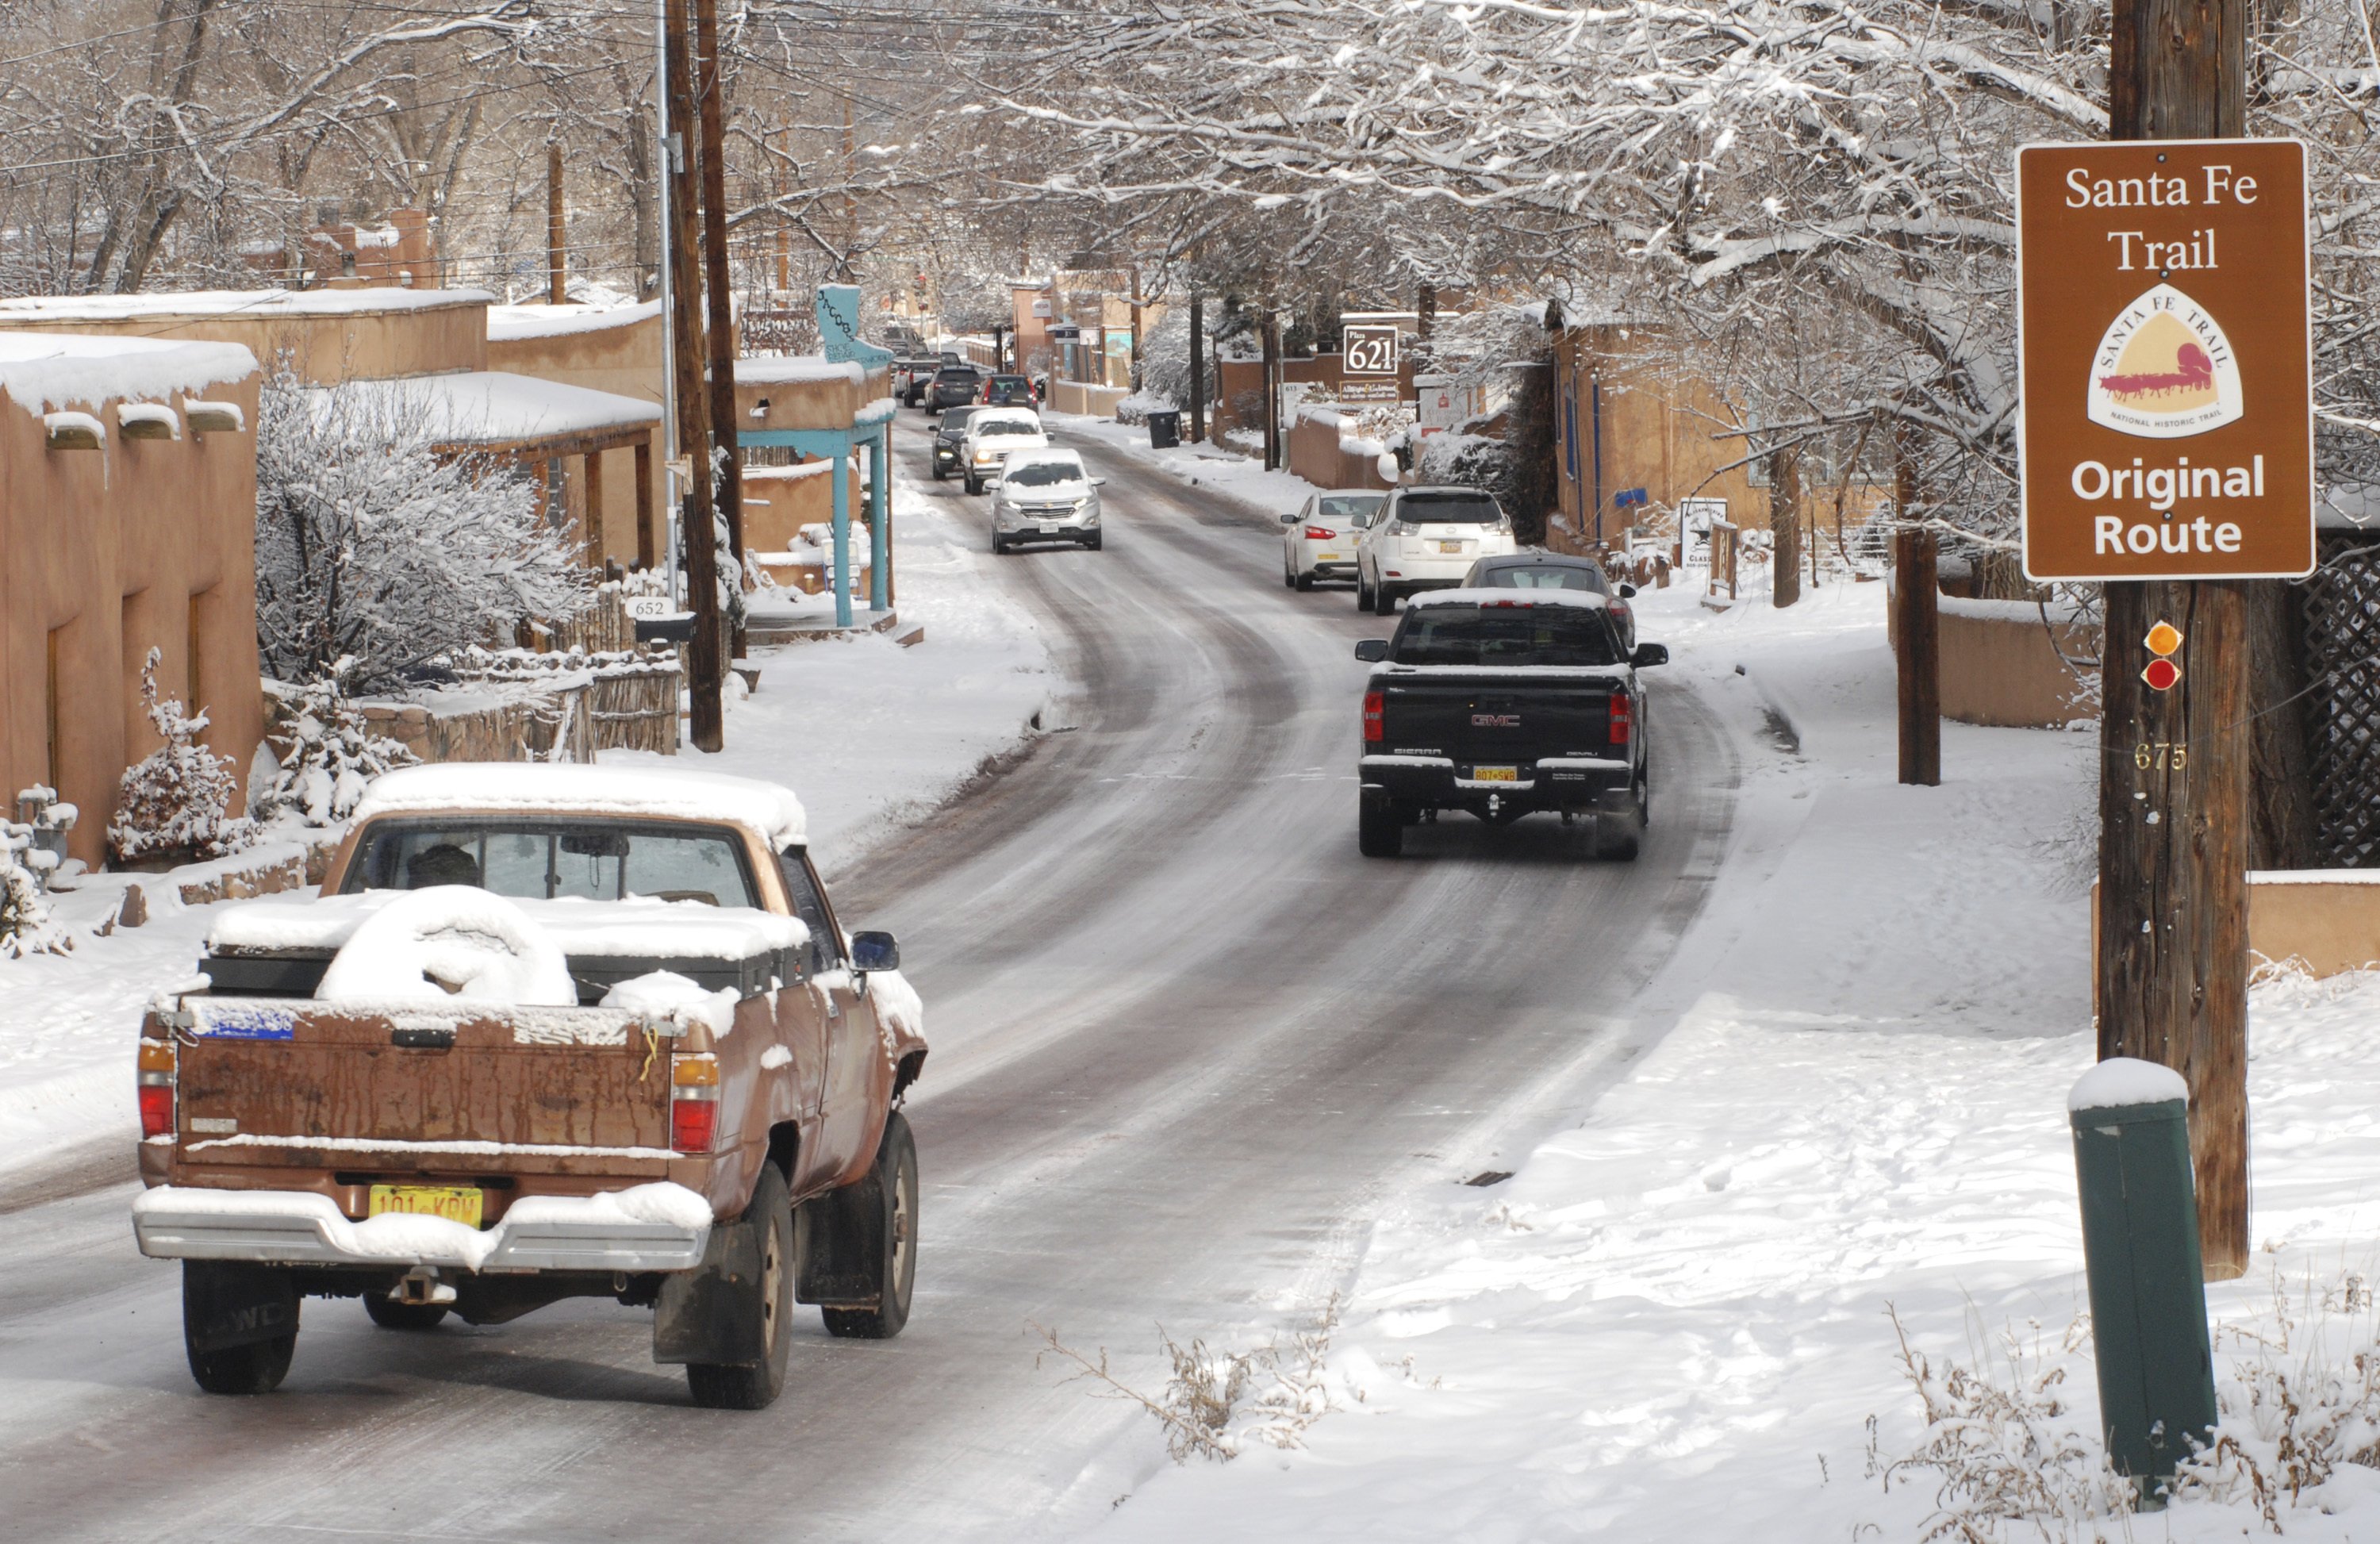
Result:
[
  {"x": 44, "y": 371},
  {"x": 508, "y": 324},
  {"x": 495, "y": 407},
  {"x": 664, "y": 930},
  {"x": 797, "y": 370},
  {"x": 537, "y": 788},
  {"x": 2124, "y": 1080},
  {"x": 235, "y": 302}
]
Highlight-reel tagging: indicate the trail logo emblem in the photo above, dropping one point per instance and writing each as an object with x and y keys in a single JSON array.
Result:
[{"x": 2164, "y": 370}]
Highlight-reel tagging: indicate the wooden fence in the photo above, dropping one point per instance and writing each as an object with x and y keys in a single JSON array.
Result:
[{"x": 1726, "y": 546}]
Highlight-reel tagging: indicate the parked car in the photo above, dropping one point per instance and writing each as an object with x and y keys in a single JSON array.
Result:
[
  {"x": 947, "y": 435},
  {"x": 953, "y": 386},
  {"x": 1045, "y": 496},
  {"x": 1011, "y": 391},
  {"x": 1557, "y": 571},
  {"x": 1427, "y": 539},
  {"x": 548, "y": 1032},
  {"x": 992, "y": 435},
  {"x": 1503, "y": 703},
  {"x": 913, "y": 375},
  {"x": 1318, "y": 539}
]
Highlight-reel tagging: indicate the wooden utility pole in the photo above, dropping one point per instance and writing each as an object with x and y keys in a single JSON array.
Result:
[
  {"x": 1198, "y": 370},
  {"x": 1785, "y": 525},
  {"x": 1272, "y": 388},
  {"x": 2174, "y": 765},
  {"x": 717, "y": 284},
  {"x": 556, "y": 293},
  {"x": 1426, "y": 313},
  {"x": 705, "y": 665},
  {"x": 1916, "y": 609}
]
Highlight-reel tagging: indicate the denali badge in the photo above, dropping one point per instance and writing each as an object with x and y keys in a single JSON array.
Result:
[{"x": 1495, "y": 720}]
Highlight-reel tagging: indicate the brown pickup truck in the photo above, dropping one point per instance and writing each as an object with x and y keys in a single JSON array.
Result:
[{"x": 548, "y": 1032}]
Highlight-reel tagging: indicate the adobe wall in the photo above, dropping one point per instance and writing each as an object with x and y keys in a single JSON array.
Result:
[
  {"x": 2000, "y": 666},
  {"x": 1656, "y": 432},
  {"x": 625, "y": 360},
  {"x": 323, "y": 349},
  {"x": 1317, "y": 455},
  {"x": 105, "y": 555}
]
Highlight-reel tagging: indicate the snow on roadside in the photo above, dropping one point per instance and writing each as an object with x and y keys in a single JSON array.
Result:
[
  {"x": 1673, "y": 1322},
  {"x": 867, "y": 733}
]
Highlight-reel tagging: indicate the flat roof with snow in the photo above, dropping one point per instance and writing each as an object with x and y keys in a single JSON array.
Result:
[
  {"x": 495, "y": 407},
  {"x": 520, "y": 787},
  {"x": 44, "y": 371},
  {"x": 512, "y": 324},
  {"x": 233, "y": 302}
]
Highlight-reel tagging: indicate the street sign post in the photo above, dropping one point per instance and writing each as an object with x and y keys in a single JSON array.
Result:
[{"x": 2165, "y": 353}]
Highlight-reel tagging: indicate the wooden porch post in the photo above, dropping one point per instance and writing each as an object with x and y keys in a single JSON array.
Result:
[
  {"x": 880, "y": 534},
  {"x": 592, "y": 547},
  {"x": 648, "y": 539},
  {"x": 841, "y": 475}
]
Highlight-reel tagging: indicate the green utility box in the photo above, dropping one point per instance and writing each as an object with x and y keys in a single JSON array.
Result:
[{"x": 2140, "y": 1250}]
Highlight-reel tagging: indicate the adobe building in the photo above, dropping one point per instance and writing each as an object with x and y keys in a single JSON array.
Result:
[
  {"x": 584, "y": 440},
  {"x": 127, "y": 522}
]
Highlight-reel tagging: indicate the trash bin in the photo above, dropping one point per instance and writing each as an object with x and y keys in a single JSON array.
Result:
[
  {"x": 1164, "y": 430},
  {"x": 2139, "y": 1253}
]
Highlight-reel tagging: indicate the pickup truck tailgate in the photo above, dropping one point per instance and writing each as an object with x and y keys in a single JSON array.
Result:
[
  {"x": 256, "y": 1077},
  {"x": 1494, "y": 719}
]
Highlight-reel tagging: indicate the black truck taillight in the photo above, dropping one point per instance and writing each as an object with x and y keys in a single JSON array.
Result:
[
  {"x": 1374, "y": 706},
  {"x": 1623, "y": 718}
]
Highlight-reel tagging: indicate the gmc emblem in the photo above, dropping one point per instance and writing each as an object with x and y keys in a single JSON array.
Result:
[{"x": 1495, "y": 720}]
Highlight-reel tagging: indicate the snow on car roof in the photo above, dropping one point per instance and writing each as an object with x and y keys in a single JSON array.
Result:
[
  {"x": 1005, "y": 415},
  {"x": 1044, "y": 455},
  {"x": 1588, "y": 599},
  {"x": 542, "y": 788}
]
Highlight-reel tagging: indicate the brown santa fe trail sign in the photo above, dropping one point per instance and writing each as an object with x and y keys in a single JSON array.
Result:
[{"x": 2165, "y": 349}]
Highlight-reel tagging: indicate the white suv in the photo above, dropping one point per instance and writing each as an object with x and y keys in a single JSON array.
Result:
[
  {"x": 1045, "y": 496},
  {"x": 1427, "y": 539},
  {"x": 992, "y": 435}
]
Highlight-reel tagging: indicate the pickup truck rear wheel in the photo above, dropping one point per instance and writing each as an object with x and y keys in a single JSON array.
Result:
[
  {"x": 755, "y": 1386},
  {"x": 389, "y": 1314},
  {"x": 890, "y": 1195},
  {"x": 241, "y": 1304}
]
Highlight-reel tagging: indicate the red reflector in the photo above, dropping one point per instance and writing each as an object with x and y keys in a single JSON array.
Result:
[
  {"x": 2162, "y": 674},
  {"x": 692, "y": 1121},
  {"x": 1317, "y": 533},
  {"x": 1372, "y": 710},
  {"x": 1624, "y": 716},
  {"x": 156, "y": 1110}
]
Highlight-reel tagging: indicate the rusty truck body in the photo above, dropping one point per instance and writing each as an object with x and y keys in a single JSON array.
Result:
[{"x": 548, "y": 1031}]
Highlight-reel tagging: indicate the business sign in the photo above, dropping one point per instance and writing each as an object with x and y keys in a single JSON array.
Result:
[
  {"x": 1064, "y": 332},
  {"x": 1363, "y": 393},
  {"x": 1444, "y": 403},
  {"x": 1042, "y": 308},
  {"x": 1366, "y": 350},
  {"x": 2165, "y": 353}
]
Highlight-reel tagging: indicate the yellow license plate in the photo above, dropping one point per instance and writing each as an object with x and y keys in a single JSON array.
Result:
[
  {"x": 1496, "y": 775},
  {"x": 1450, "y": 546},
  {"x": 453, "y": 1202},
  {"x": 1326, "y": 557}
]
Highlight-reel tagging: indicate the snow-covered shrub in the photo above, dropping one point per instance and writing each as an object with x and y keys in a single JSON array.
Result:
[
  {"x": 374, "y": 545},
  {"x": 332, "y": 758},
  {"x": 25, "y": 924},
  {"x": 177, "y": 801}
]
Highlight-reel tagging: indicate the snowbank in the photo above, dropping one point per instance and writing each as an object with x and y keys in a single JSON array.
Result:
[{"x": 665, "y": 994}]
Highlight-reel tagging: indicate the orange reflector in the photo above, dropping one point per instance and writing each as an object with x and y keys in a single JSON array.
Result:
[
  {"x": 2163, "y": 639},
  {"x": 694, "y": 1072},
  {"x": 156, "y": 1056}
]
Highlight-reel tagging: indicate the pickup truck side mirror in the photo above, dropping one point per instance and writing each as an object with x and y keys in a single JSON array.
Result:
[
  {"x": 1372, "y": 650},
  {"x": 1649, "y": 654},
  {"x": 1099, "y": 482},
  {"x": 874, "y": 952},
  {"x": 1627, "y": 591}
]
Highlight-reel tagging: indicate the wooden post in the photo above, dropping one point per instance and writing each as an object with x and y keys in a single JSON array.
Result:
[
  {"x": 1915, "y": 597},
  {"x": 722, "y": 319},
  {"x": 1198, "y": 370},
  {"x": 648, "y": 543},
  {"x": 2174, "y": 765},
  {"x": 1271, "y": 389},
  {"x": 1785, "y": 527},
  {"x": 591, "y": 539},
  {"x": 556, "y": 293},
  {"x": 705, "y": 664}
]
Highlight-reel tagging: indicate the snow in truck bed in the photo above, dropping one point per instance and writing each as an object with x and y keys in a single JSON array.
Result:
[
  {"x": 643, "y": 928},
  {"x": 517, "y": 787}
]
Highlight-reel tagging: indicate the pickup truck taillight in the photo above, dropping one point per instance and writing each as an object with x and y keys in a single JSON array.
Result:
[
  {"x": 1623, "y": 717},
  {"x": 1374, "y": 706},
  {"x": 156, "y": 1088},
  {"x": 694, "y": 1103},
  {"x": 1320, "y": 533}
]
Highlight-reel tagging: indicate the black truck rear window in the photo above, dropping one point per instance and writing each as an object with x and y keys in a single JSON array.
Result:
[{"x": 1499, "y": 636}]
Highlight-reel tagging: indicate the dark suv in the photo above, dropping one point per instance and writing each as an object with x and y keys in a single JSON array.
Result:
[
  {"x": 954, "y": 386},
  {"x": 1009, "y": 391},
  {"x": 946, "y": 440},
  {"x": 1557, "y": 571}
]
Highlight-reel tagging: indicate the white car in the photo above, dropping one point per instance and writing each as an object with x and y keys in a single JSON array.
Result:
[
  {"x": 1319, "y": 540},
  {"x": 992, "y": 435},
  {"x": 1045, "y": 496},
  {"x": 1427, "y": 539}
]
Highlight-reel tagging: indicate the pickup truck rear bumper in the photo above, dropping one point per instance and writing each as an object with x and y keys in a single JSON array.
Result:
[
  {"x": 1550, "y": 783},
  {"x": 649, "y": 1227}
]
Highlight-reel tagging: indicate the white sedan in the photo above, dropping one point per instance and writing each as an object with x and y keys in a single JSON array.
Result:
[
  {"x": 994, "y": 434},
  {"x": 1045, "y": 496},
  {"x": 1318, "y": 540}
]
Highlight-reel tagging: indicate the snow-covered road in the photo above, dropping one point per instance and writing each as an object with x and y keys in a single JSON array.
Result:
[{"x": 1185, "y": 1038}]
